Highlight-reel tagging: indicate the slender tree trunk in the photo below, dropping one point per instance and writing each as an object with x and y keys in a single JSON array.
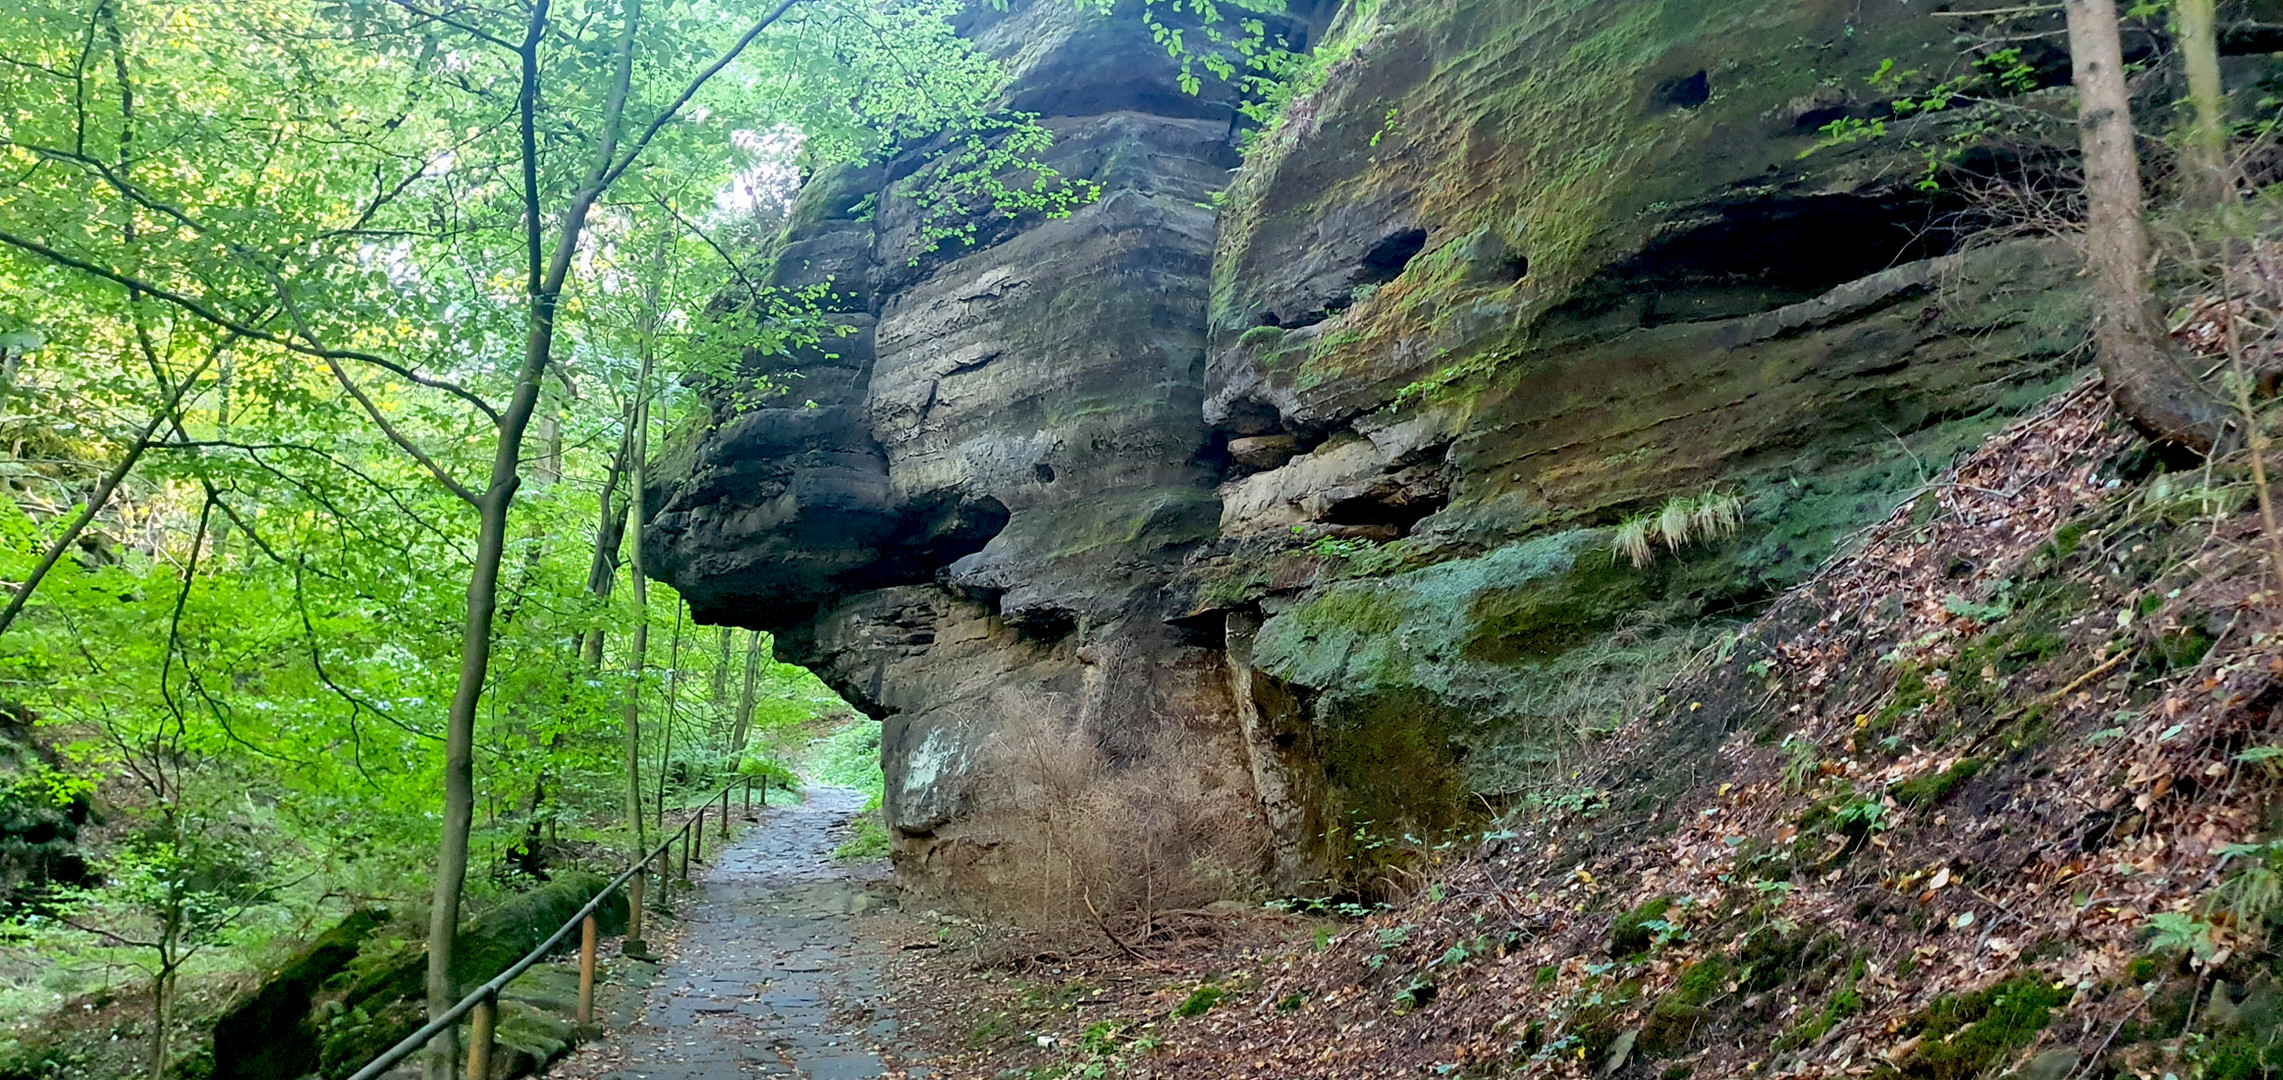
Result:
[
  {"x": 673, "y": 692},
  {"x": 545, "y": 290},
  {"x": 549, "y": 468},
  {"x": 640, "y": 642},
  {"x": 721, "y": 672},
  {"x": 610, "y": 534},
  {"x": 158, "y": 1020},
  {"x": 2209, "y": 181},
  {"x": 745, "y": 700},
  {"x": 460, "y": 720},
  {"x": 637, "y": 465},
  {"x": 2146, "y": 380},
  {"x": 223, "y": 377}
]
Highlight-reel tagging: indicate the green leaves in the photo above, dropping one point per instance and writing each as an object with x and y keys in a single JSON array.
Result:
[{"x": 257, "y": 642}]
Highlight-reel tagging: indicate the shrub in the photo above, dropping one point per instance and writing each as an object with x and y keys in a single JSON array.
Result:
[{"x": 1081, "y": 835}]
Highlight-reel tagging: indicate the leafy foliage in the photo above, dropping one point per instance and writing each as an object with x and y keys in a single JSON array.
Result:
[{"x": 268, "y": 261}]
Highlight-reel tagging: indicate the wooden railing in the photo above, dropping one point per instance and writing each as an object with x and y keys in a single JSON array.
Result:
[{"x": 480, "y": 1007}]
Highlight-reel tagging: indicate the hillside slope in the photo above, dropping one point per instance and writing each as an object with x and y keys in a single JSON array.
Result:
[{"x": 1987, "y": 795}]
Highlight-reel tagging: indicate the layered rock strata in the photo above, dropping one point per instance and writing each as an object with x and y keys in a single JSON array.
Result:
[{"x": 1332, "y": 475}]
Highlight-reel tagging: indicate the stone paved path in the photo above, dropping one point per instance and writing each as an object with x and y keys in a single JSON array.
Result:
[{"x": 764, "y": 977}]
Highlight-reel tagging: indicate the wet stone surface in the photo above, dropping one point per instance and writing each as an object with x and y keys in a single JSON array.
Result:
[{"x": 764, "y": 975}]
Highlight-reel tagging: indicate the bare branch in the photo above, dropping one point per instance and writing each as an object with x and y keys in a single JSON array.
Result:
[{"x": 102, "y": 494}]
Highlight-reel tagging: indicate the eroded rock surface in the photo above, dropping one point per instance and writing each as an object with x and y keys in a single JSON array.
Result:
[{"x": 1335, "y": 472}]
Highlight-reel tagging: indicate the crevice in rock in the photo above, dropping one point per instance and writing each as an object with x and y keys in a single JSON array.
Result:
[
  {"x": 1759, "y": 254},
  {"x": 1205, "y": 630},
  {"x": 1386, "y": 259},
  {"x": 1043, "y": 625},
  {"x": 1683, "y": 91}
]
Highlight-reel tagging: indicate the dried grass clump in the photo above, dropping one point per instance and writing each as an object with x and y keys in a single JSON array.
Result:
[
  {"x": 1714, "y": 515},
  {"x": 1081, "y": 836}
]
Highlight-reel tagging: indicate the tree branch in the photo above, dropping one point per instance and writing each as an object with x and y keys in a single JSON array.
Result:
[
  {"x": 691, "y": 90},
  {"x": 243, "y": 329},
  {"x": 102, "y": 494},
  {"x": 402, "y": 441}
]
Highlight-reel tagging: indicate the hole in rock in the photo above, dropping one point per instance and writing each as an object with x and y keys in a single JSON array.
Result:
[
  {"x": 1046, "y": 625},
  {"x": 1683, "y": 91},
  {"x": 1251, "y": 416},
  {"x": 1517, "y": 266},
  {"x": 1387, "y": 258},
  {"x": 933, "y": 535},
  {"x": 1206, "y": 631},
  {"x": 1044, "y": 472},
  {"x": 1267, "y": 318}
]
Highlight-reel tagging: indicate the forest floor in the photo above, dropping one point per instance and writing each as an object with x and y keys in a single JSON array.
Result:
[{"x": 769, "y": 969}]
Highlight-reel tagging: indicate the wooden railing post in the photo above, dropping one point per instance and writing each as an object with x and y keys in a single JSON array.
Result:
[
  {"x": 479, "y": 1039},
  {"x": 685, "y": 854},
  {"x": 748, "y": 798},
  {"x": 725, "y": 813},
  {"x": 588, "y": 931},
  {"x": 635, "y": 946},
  {"x": 698, "y": 836}
]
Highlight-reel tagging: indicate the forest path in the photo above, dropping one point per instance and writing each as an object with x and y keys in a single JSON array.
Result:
[{"x": 765, "y": 974}]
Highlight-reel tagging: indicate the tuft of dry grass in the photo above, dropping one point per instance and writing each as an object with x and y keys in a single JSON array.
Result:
[{"x": 1681, "y": 521}]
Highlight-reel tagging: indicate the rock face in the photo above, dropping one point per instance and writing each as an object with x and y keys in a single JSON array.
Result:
[{"x": 1334, "y": 474}]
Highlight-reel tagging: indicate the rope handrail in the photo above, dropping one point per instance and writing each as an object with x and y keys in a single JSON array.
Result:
[{"x": 412, "y": 1043}]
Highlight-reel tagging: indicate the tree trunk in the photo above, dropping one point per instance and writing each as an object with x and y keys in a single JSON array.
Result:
[
  {"x": 161, "y": 991},
  {"x": 610, "y": 534},
  {"x": 222, "y": 379},
  {"x": 2208, "y": 181},
  {"x": 673, "y": 692},
  {"x": 637, "y": 464},
  {"x": 2144, "y": 377},
  {"x": 721, "y": 672},
  {"x": 640, "y": 642},
  {"x": 475, "y": 663},
  {"x": 745, "y": 700},
  {"x": 544, "y": 290}
]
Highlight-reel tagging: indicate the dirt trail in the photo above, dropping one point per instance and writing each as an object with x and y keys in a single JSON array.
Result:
[{"x": 765, "y": 974}]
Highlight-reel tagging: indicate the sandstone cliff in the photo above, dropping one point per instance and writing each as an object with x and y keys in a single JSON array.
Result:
[{"x": 1321, "y": 459}]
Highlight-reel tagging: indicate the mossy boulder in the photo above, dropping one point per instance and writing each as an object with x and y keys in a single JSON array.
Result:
[{"x": 271, "y": 1035}]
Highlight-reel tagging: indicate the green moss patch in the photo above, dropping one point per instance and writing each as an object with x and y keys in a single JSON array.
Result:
[
  {"x": 1933, "y": 787},
  {"x": 1844, "y": 1002},
  {"x": 1963, "y": 1036},
  {"x": 1632, "y": 932}
]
